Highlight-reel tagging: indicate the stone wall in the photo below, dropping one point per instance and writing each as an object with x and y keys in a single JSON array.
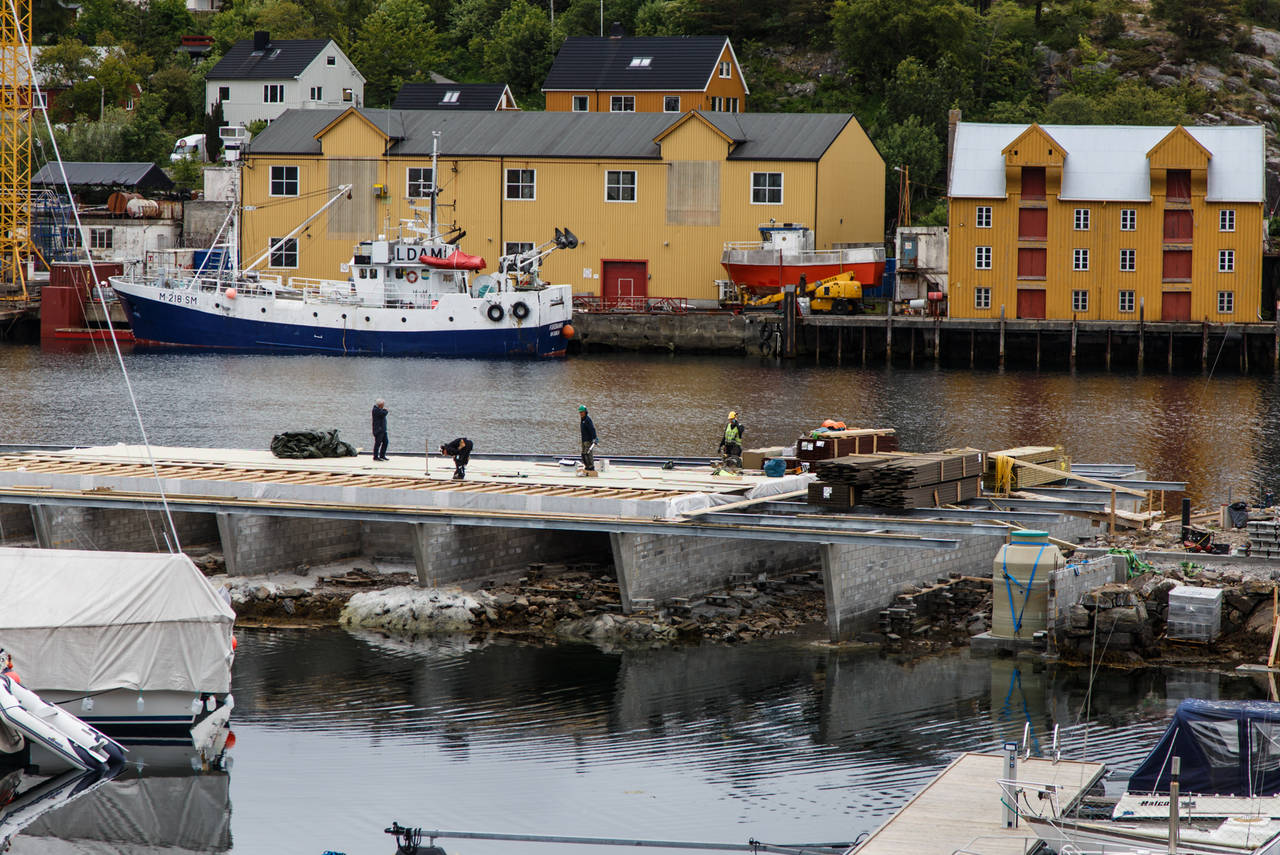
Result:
[{"x": 61, "y": 527}]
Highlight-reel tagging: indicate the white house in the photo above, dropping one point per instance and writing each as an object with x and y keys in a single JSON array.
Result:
[{"x": 260, "y": 79}]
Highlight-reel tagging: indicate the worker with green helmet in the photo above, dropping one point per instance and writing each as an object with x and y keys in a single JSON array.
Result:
[
  {"x": 589, "y": 439},
  {"x": 731, "y": 442}
]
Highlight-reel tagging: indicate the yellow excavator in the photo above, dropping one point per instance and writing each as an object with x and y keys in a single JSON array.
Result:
[{"x": 838, "y": 295}]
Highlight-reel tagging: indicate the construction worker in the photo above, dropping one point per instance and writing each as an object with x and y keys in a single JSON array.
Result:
[
  {"x": 460, "y": 451},
  {"x": 731, "y": 442},
  {"x": 589, "y": 439}
]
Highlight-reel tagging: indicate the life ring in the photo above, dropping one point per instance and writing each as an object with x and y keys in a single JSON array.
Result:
[
  {"x": 495, "y": 312},
  {"x": 519, "y": 311},
  {"x": 411, "y": 277}
]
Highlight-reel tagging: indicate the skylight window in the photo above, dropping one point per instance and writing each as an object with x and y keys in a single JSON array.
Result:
[
  {"x": 451, "y": 97},
  {"x": 641, "y": 61}
]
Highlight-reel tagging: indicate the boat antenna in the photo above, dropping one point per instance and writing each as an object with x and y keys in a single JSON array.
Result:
[
  {"x": 435, "y": 182},
  {"x": 174, "y": 545}
]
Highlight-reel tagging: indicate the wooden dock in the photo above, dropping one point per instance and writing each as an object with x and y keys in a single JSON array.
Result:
[{"x": 961, "y": 809}]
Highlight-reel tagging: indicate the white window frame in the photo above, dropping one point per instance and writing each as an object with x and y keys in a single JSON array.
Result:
[
  {"x": 1226, "y": 261},
  {"x": 584, "y": 101},
  {"x": 1128, "y": 301},
  {"x": 101, "y": 238},
  {"x": 1079, "y": 299},
  {"x": 317, "y": 93},
  {"x": 622, "y": 103},
  {"x": 1128, "y": 260},
  {"x": 982, "y": 297},
  {"x": 519, "y": 184},
  {"x": 616, "y": 180},
  {"x": 273, "y": 93},
  {"x": 1131, "y": 216},
  {"x": 1226, "y": 219},
  {"x": 282, "y": 253},
  {"x": 1082, "y": 220},
  {"x": 1226, "y": 302},
  {"x": 1079, "y": 259},
  {"x": 666, "y": 103},
  {"x": 982, "y": 219},
  {"x": 726, "y": 69},
  {"x": 280, "y": 178},
  {"x": 982, "y": 258},
  {"x": 419, "y": 182},
  {"x": 765, "y": 190}
]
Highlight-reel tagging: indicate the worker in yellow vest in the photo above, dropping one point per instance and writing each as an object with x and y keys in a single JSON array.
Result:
[{"x": 731, "y": 443}]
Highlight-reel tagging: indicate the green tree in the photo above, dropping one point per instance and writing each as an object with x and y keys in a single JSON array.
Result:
[
  {"x": 397, "y": 44},
  {"x": 519, "y": 51},
  {"x": 913, "y": 144},
  {"x": 874, "y": 35},
  {"x": 1203, "y": 27}
]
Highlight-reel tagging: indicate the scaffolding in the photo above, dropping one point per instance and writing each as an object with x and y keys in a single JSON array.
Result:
[{"x": 16, "y": 88}]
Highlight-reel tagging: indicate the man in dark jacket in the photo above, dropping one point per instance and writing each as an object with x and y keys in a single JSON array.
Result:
[
  {"x": 588, "y": 439},
  {"x": 379, "y": 429},
  {"x": 460, "y": 451}
]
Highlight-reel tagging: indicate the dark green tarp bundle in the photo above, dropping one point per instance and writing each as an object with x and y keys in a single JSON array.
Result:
[{"x": 310, "y": 443}]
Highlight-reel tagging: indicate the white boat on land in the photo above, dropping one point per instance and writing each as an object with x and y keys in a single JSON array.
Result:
[
  {"x": 137, "y": 645},
  {"x": 415, "y": 294}
]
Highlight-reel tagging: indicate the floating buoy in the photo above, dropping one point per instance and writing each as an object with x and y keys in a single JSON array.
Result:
[
  {"x": 231, "y": 293},
  {"x": 567, "y": 331}
]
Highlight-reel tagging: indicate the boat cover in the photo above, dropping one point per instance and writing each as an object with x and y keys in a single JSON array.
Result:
[
  {"x": 1227, "y": 748},
  {"x": 92, "y": 621}
]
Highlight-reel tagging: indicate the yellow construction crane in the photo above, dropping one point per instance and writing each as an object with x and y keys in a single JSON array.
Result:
[{"x": 17, "y": 97}]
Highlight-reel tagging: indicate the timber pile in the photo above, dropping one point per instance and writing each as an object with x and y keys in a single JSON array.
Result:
[
  {"x": 1023, "y": 477},
  {"x": 901, "y": 481}
]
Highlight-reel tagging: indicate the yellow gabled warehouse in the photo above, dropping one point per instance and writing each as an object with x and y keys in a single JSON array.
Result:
[
  {"x": 651, "y": 197},
  {"x": 1106, "y": 222}
]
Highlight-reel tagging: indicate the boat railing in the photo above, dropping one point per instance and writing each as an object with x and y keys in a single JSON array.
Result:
[{"x": 642, "y": 305}]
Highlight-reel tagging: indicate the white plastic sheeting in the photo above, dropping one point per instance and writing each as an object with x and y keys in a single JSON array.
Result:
[{"x": 92, "y": 621}]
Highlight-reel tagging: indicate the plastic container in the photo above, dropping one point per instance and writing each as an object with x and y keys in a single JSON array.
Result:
[{"x": 1020, "y": 584}]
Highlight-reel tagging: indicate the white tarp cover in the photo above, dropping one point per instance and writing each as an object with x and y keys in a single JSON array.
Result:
[{"x": 93, "y": 621}]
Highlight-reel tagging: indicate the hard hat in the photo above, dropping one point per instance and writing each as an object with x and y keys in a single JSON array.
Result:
[
  {"x": 582, "y": 408},
  {"x": 733, "y": 414}
]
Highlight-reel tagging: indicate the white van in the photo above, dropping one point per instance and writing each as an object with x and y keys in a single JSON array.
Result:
[{"x": 191, "y": 146}]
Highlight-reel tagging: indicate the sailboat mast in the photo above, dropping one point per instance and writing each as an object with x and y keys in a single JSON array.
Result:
[{"x": 435, "y": 154}]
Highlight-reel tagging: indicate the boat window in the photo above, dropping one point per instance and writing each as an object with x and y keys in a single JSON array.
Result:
[
  {"x": 1264, "y": 743},
  {"x": 1219, "y": 740}
]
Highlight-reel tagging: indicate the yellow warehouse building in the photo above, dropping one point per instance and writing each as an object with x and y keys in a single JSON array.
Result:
[
  {"x": 1106, "y": 222},
  {"x": 651, "y": 197}
]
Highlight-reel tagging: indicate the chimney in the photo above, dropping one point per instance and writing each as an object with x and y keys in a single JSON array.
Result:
[
  {"x": 616, "y": 31},
  {"x": 261, "y": 38},
  {"x": 953, "y": 119}
]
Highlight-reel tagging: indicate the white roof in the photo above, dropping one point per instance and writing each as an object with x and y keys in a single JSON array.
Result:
[
  {"x": 91, "y": 621},
  {"x": 1109, "y": 162}
]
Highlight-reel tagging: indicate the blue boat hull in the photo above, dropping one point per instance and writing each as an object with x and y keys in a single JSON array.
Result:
[{"x": 166, "y": 324}]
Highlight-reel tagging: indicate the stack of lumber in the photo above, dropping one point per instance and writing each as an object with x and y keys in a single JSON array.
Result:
[
  {"x": 903, "y": 481},
  {"x": 1022, "y": 477}
]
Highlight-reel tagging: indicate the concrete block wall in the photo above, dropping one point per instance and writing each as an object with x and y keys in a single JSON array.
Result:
[
  {"x": 473, "y": 554},
  {"x": 260, "y": 544},
  {"x": 60, "y": 527},
  {"x": 660, "y": 566}
]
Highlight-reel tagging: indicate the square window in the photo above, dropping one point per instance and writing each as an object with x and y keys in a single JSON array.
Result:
[
  {"x": 285, "y": 254},
  {"x": 579, "y": 103},
  {"x": 1079, "y": 300},
  {"x": 224, "y": 93},
  {"x": 1226, "y": 261},
  {"x": 982, "y": 258},
  {"x": 982, "y": 298},
  {"x": 521, "y": 184},
  {"x": 622, "y": 103},
  {"x": 273, "y": 93},
  {"x": 1079, "y": 259},
  {"x": 983, "y": 217},
  {"x": 620, "y": 185},
  {"x": 1226, "y": 302},
  {"x": 671, "y": 103},
  {"x": 1128, "y": 219},
  {"x": 1227, "y": 220},
  {"x": 1127, "y": 301},
  {"x": 726, "y": 69},
  {"x": 420, "y": 182},
  {"x": 766, "y": 188},
  {"x": 1082, "y": 219},
  {"x": 1128, "y": 260},
  {"x": 330, "y": 60},
  {"x": 284, "y": 181},
  {"x": 101, "y": 238},
  {"x": 317, "y": 93}
]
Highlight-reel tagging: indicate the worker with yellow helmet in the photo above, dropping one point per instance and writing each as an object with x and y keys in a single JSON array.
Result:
[{"x": 731, "y": 442}]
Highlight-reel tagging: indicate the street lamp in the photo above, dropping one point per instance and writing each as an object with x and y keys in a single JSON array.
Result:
[{"x": 102, "y": 97}]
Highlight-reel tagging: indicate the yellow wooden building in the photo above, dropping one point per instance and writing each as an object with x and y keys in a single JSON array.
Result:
[
  {"x": 1106, "y": 222},
  {"x": 645, "y": 74},
  {"x": 652, "y": 197}
]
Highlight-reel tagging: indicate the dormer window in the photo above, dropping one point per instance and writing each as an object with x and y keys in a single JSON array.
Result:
[
  {"x": 641, "y": 61},
  {"x": 451, "y": 97}
]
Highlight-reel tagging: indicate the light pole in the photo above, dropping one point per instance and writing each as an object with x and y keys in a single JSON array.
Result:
[{"x": 102, "y": 97}]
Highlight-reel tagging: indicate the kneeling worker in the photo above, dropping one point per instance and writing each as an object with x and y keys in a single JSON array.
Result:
[{"x": 460, "y": 451}]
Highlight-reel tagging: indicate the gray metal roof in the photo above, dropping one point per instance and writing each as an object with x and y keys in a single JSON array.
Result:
[
  {"x": 283, "y": 59},
  {"x": 759, "y": 136},
  {"x": 85, "y": 174}
]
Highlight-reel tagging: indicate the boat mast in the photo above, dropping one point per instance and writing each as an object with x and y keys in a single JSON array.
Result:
[{"x": 433, "y": 228}]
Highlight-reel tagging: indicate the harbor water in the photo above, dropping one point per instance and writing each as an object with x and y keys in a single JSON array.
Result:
[{"x": 338, "y": 734}]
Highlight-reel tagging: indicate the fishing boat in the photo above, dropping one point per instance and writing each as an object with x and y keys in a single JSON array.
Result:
[
  {"x": 414, "y": 294},
  {"x": 785, "y": 252}
]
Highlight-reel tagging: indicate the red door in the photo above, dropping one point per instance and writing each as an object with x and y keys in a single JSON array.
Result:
[
  {"x": 1175, "y": 306},
  {"x": 625, "y": 283},
  {"x": 1030, "y": 303}
]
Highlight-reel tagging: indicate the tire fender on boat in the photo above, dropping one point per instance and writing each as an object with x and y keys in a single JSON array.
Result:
[
  {"x": 519, "y": 311},
  {"x": 495, "y": 312}
]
